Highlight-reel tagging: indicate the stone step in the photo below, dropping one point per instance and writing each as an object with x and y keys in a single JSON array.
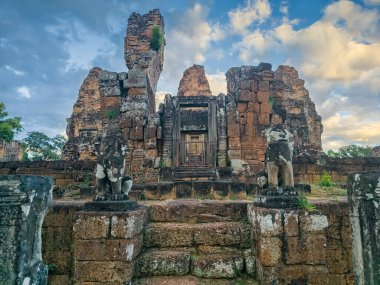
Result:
[
  {"x": 217, "y": 265},
  {"x": 168, "y": 235},
  {"x": 193, "y": 173},
  {"x": 163, "y": 262},
  {"x": 191, "y": 280},
  {"x": 213, "y": 262},
  {"x": 195, "y": 211}
]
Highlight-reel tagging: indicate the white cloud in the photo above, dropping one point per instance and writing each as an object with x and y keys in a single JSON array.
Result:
[
  {"x": 218, "y": 83},
  {"x": 14, "y": 70},
  {"x": 190, "y": 40},
  {"x": 24, "y": 91},
  {"x": 82, "y": 45},
  {"x": 372, "y": 2},
  {"x": 243, "y": 17},
  {"x": 253, "y": 45},
  {"x": 343, "y": 130},
  {"x": 338, "y": 57},
  {"x": 284, "y": 8}
]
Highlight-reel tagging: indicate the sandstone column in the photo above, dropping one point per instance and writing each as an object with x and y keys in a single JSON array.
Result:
[
  {"x": 24, "y": 201},
  {"x": 364, "y": 200}
]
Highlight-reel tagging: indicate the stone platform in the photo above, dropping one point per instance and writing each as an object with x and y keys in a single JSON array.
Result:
[
  {"x": 111, "y": 206},
  {"x": 277, "y": 202}
]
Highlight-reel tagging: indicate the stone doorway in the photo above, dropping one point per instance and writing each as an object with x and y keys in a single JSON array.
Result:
[{"x": 195, "y": 150}]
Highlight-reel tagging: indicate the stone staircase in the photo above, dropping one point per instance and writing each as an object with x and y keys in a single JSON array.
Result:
[
  {"x": 191, "y": 242},
  {"x": 193, "y": 173}
]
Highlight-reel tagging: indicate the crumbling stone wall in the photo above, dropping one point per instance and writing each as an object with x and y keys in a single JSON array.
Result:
[
  {"x": 255, "y": 93},
  {"x": 90, "y": 247},
  {"x": 137, "y": 50},
  {"x": 85, "y": 121},
  {"x": 10, "y": 151},
  {"x": 194, "y": 82},
  {"x": 123, "y": 103},
  {"x": 57, "y": 239},
  {"x": 248, "y": 114},
  {"x": 300, "y": 247},
  {"x": 289, "y": 94},
  {"x": 63, "y": 172},
  {"x": 285, "y": 246}
]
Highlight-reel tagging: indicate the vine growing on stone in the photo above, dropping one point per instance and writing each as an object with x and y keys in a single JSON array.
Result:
[{"x": 157, "y": 39}]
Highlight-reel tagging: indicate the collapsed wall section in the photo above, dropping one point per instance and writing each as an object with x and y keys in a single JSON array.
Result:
[
  {"x": 121, "y": 106},
  {"x": 288, "y": 93},
  {"x": 137, "y": 50},
  {"x": 248, "y": 114},
  {"x": 85, "y": 121},
  {"x": 255, "y": 95}
]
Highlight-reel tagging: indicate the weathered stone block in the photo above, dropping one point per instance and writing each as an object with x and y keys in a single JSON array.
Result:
[
  {"x": 227, "y": 233},
  {"x": 217, "y": 266},
  {"x": 90, "y": 226},
  {"x": 168, "y": 235},
  {"x": 263, "y": 85},
  {"x": 61, "y": 260},
  {"x": 337, "y": 261},
  {"x": 291, "y": 226},
  {"x": 104, "y": 271},
  {"x": 264, "y": 118},
  {"x": 313, "y": 223},
  {"x": 250, "y": 262},
  {"x": 108, "y": 250},
  {"x": 58, "y": 279},
  {"x": 245, "y": 84},
  {"x": 267, "y": 222},
  {"x": 233, "y": 131},
  {"x": 234, "y": 143},
  {"x": 315, "y": 249},
  {"x": 163, "y": 262},
  {"x": 245, "y": 95},
  {"x": 129, "y": 224},
  {"x": 269, "y": 251}
]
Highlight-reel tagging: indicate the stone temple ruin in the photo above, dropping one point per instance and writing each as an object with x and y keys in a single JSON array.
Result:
[
  {"x": 197, "y": 144},
  {"x": 196, "y": 134}
]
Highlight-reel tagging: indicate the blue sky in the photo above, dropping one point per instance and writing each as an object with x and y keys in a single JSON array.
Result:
[{"x": 48, "y": 47}]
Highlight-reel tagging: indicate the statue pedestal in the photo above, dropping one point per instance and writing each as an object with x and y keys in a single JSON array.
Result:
[
  {"x": 111, "y": 206},
  {"x": 279, "y": 202}
]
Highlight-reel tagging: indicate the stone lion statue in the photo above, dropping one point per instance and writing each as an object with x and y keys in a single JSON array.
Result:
[
  {"x": 110, "y": 168},
  {"x": 279, "y": 159}
]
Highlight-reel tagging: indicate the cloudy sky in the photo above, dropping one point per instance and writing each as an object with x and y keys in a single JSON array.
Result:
[{"x": 48, "y": 47}]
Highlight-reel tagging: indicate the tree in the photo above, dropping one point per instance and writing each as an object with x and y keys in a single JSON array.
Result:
[
  {"x": 157, "y": 39},
  {"x": 8, "y": 126},
  {"x": 38, "y": 146},
  {"x": 352, "y": 150}
]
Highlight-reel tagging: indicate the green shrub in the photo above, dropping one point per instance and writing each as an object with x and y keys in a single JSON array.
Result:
[
  {"x": 303, "y": 203},
  {"x": 272, "y": 101},
  {"x": 326, "y": 180},
  {"x": 112, "y": 113},
  {"x": 157, "y": 39}
]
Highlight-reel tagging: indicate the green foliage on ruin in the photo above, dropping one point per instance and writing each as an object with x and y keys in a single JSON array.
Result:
[
  {"x": 38, "y": 146},
  {"x": 112, "y": 113},
  {"x": 9, "y": 127},
  {"x": 326, "y": 180},
  {"x": 304, "y": 204},
  {"x": 352, "y": 150},
  {"x": 157, "y": 39},
  {"x": 52, "y": 268},
  {"x": 272, "y": 101},
  {"x": 87, "y": 179}
]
